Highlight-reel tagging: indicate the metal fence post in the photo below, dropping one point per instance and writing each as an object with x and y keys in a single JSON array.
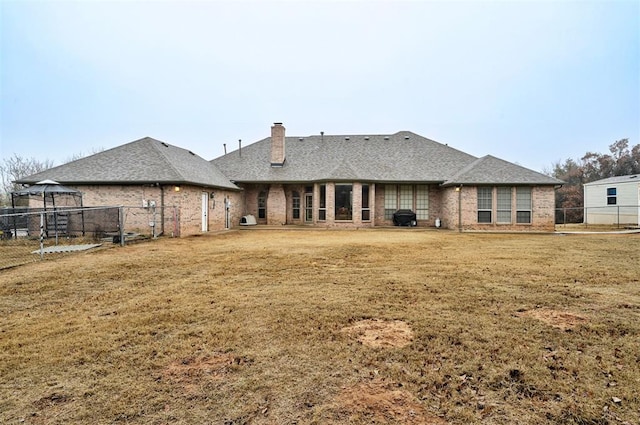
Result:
[
  {"x": 121, "y": 224},
  {"x": 42, "y": 235}
]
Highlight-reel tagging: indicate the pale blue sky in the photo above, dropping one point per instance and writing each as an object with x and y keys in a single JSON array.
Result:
[{"x": 529, "y": 82}]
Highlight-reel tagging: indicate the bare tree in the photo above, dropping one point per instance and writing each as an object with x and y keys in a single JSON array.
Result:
[
  {"x": 81, "y": 154},
  {"x": 15, "y": 168}
]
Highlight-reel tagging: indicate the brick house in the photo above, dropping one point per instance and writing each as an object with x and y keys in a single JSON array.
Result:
[
  {"x": 152, "y": 175},
  {"x": 362, "y": 180},
  {"x": 319, "y": 180}
]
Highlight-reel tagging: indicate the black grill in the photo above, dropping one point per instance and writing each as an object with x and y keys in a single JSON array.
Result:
[{"x": 404, "y": 218}]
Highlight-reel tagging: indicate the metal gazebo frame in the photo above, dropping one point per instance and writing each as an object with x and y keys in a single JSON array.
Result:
[{"x": 48, "y": 191}]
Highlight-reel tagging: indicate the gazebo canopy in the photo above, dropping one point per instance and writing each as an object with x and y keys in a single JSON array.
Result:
[{"x": 46, "y": 189}]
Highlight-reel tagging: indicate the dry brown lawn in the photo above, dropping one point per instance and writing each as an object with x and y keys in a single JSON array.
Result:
[{"x": 327, "y": 327}]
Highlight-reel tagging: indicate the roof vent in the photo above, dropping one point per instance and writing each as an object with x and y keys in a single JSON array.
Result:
[
  {"x": 633, "y": 177},
  {"x": 300, "y": 139},
  {"x": 346, "y": 138},
  {"x": 386, "y": 137},
  {"x": 366, "y": 137},
  {"x": 406, "y": 137},
  {"x": 192, "y": 153},
  {"x": 164, "y": 144}
]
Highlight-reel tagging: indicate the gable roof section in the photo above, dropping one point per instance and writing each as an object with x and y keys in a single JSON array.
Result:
[
  {"x": 631, "y": 178},
  {"x": 143, "y": 161},
  {"x": 490, "y": 170},
  {"x": 400, "y": 157}
]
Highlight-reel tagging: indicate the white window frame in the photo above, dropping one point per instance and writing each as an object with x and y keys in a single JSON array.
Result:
[
  {"x": 524, "y": 204},
  {"x": 503, "y": 205},
  {"x": 482, "y": 205}
]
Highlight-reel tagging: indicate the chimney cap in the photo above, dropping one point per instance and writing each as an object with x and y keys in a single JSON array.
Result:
[{"x": 277, "y": 123}]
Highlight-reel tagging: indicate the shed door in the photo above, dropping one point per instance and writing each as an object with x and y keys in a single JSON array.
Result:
[{"x": 205, "y": 211}]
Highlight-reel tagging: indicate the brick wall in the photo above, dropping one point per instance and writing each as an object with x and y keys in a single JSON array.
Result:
[
  {"x": 449, "y": 208},
  {"x": 188, "y": 203},
  {"x": 542, "y": 216},
  {"x": 443, "y": 204},
  {"x": 276, "y": 205},
  {"x": 435, "y": 206}
]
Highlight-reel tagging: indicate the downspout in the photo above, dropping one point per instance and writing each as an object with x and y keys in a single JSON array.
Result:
[
  {"x": 161, "y": 210},
  {"x": 459, "y": 208}
]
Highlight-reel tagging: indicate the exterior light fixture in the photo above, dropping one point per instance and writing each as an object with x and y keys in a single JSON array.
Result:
[{"x": 176, "y": 188}]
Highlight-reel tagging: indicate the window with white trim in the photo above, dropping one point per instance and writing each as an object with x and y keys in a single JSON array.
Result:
[
  {"x": 262, "y": 204},
  {"x": 485, "y": 204},
  {"x": 322, "y": 211},
  {"x": 504, "y": 205},
  {"x": 523, "y": 205},
  {"x": 406, "y": 197},
  {"x": 366, "y": 211},
  {"x": 612, "y": 196},
  {"x": 296, "y": 204},
  {"x": 422, "y": 202},
  {"x": 390, "y": 201}
]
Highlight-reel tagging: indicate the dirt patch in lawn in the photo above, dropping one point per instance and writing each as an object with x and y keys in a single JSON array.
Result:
[
  {"x": 384, "y": 403},
  {"x": 563, "y": 320},
  {"x": 192, "y": 372},
  {"x": 381, "y": 333}
]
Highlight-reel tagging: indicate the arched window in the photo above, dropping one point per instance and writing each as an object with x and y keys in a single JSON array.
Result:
[{"x": 262, "y": 204}]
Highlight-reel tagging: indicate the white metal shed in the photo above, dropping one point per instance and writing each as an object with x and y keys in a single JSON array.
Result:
[{"x": 614, "y": 200}]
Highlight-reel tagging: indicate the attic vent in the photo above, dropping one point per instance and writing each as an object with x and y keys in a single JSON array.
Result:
[
  {"x": 366, "y": 137},
  {"x": 164, "y": 144},
  {"x": 346, "y": 138},
  {"x": 386, "y": 137}
]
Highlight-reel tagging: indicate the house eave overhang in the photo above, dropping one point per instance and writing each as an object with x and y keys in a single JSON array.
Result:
[
  {"x": 157, "y": 183},
  {"x": 476, "y": 183},
  {"x": 338, "y": 180}
]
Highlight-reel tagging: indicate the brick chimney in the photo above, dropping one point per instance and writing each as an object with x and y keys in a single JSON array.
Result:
[{"x": 277, "y": 145}]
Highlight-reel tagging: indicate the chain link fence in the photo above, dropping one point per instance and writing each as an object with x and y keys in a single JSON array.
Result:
[
  {"x": 31, "y": 234},
  {"x": 615, "y": 216}
]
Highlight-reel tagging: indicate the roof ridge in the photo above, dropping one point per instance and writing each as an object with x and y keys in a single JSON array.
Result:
[{"x": 166, "y": 156}]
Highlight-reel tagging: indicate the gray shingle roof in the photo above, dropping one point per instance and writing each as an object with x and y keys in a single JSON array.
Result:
[
  {"x": 492, "y": 170},
  {"x": 399, "y": 157},
  {"x": 142, "y": 161}
]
